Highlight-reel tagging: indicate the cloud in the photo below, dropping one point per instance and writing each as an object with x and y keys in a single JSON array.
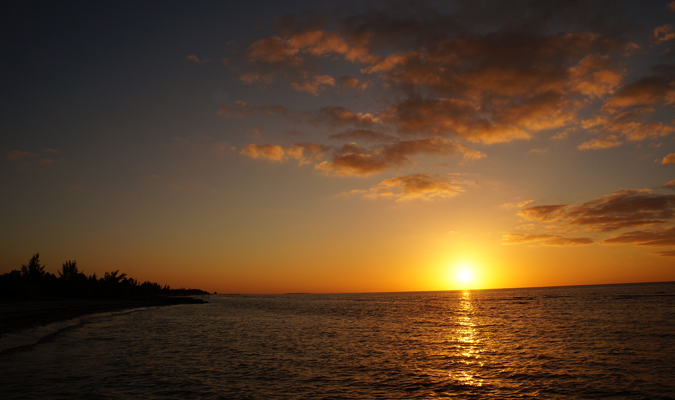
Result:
[
  {"x": 314, "y": 85},
  {"x": 603, "y": 142},
  {"x": 644, "y": 93},
  {"x": 354, "y": 160},
  {"x": 651, "y": 237},
  {"x": 363, "y": 134},
  {"x": 302, "y": 152},
  {"x": 669, "y": 159},
  {"x": 342, "y": 116},
  {"x": 267, "y": 152},
  {"x": 543, "y": 213},
  {"x": 663, "y": 33},
  {"x": 629, "y": 113},
  {"x": 595, "y": 76},
  {"x": 323, "y": 43},
  {"x": 272, "y": 50},
  {"x": 516, "y": 205},
  {"x": 413, "y": 187},
  {"x": 667, "y": 253},
  {"x": 467, "y": 72},
  {"x": 242, "y": 109},
  {"x": 19, "y": 155},
  {"x": 195, "y": 59},
  {"x": 26, "y": 161},
  {"x": 544, "y": 239},
  {"x": 347, "y": 82},
  {"x": 620, "y": 210}
]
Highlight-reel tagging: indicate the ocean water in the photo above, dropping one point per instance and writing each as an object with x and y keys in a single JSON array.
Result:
[{"x": 610, "y": 341}]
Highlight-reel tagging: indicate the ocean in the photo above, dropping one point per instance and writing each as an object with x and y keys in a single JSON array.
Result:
[{"x": 607, "y": 341}]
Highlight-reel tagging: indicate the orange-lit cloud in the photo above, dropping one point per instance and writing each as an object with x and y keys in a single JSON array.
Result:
[
  {"x": 354, "y": 160},
  {"x": 663, "y": 33},
  {"x": 651, "y": 237},
  {"x": 669, "y": 159},
  {"x": 242, "y": 108},
  {"x": 515, "y": 83},
  {"x": 314, "y": 85},
  {"x": 19, "y": 155},
  {"x": 516, "y": 205},
  {"x": 342, "y": 116},
  {"x": 195, "y": 59},
  {"x": 272, "y": 50},
  {"x": 302, "y": 152},
  {"x": 595, "y": 76},
  {"x": 603, "y": 142},
  {"x": 622, "y": 210},
  {"x": 363, "y": 134},
  {"x": 411, "y": 187},
  {"x": 543, "y": 239},
  {"x": 26, "y": 161}
]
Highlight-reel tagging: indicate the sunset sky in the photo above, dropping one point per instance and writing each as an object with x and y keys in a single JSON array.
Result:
[{"x": 299, "y": 146}]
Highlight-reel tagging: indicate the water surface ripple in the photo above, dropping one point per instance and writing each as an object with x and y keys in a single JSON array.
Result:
[{"x": 613, "y": 341}]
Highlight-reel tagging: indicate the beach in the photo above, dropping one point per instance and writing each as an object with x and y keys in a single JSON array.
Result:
[{"x": 25, "y": 314}]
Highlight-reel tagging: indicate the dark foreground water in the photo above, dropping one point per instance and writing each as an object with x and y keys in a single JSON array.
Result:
[{"x": 615, "y": 341}]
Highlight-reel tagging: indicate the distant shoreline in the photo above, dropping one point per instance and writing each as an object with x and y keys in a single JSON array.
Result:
[{"x": 18, "y": 315}]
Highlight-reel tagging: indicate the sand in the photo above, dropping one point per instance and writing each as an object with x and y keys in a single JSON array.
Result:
[{"x": 19, "y": 315}]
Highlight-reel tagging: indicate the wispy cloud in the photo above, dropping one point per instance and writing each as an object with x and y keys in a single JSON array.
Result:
[
  {"x": 19, "y": 155},
  {"x": 195, "y": 59},
  {"x": 413, "y": 187},
  {"x": 544, "y": 239},
  {"x": 619, "y": 211}
]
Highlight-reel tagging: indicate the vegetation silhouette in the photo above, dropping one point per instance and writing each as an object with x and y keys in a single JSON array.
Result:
[{"x": 33, "y": 282}]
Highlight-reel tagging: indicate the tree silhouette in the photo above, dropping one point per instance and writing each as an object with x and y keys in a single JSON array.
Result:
[
  {"x": 69, "y": 270},
  {"x": 34, "y": 282},
  {"x": 33, "y": 271}
]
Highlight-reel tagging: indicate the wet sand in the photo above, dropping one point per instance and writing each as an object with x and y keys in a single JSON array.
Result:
[{"x": 19, "y": 315}]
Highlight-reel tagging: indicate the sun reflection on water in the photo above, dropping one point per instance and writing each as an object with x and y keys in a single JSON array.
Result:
[{"x": 467, "y": 344}]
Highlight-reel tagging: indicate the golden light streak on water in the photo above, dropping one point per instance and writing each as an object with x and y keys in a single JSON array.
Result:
[{"x": 468, "y": 344}]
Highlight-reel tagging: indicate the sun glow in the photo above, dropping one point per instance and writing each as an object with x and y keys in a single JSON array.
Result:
[{"x": 464, "y": 276}]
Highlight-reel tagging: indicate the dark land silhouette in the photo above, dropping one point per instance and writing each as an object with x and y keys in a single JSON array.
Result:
[{"x": 31, "y": 296}]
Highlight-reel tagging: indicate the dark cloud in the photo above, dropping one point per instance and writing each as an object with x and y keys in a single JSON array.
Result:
[
  {"x": 624, "y": 209},
  {"x": 352, "y": 159},
  {"x": 485, "y": 72},
  {"x": 620, "y": 210}
]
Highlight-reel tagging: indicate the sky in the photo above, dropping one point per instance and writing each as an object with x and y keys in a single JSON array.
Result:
[{"x": 305, "y": 146}]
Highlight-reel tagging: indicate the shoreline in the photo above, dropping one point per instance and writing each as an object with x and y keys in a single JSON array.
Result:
[{"x": 19, "y": 315}]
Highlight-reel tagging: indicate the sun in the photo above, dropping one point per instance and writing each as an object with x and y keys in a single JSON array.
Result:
[{"x": 464, "y": 276}]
